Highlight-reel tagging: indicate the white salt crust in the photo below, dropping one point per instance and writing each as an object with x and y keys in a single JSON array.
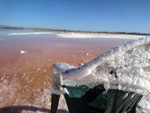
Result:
[
  {"x": 32, "y": 33},
  {"x": 97, "y": 35},
  {"x": 120, "y": 68}
]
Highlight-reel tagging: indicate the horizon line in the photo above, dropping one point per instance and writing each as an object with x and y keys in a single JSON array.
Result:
[{"x": 64, "y": 30}]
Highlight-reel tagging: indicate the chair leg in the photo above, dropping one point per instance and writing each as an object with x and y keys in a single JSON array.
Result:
[{"x": 54, "y": 103}]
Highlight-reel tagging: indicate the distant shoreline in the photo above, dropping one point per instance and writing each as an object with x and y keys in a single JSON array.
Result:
[
  {"x": 99, "y": 35},
  {"x": 77, "y": 31}
]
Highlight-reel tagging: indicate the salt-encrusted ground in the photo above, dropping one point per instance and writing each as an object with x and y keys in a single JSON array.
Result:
[
  {"x": 39, "y": 103},
  {"x": 42, "y": 102},
  {"x": 144, "y": 105}
]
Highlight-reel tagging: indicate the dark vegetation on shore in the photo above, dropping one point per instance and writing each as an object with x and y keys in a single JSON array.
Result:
[{"x": 75, "y": 31}]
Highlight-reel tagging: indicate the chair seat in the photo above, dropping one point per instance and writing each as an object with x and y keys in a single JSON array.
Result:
[{"x": 85, "y": 99}]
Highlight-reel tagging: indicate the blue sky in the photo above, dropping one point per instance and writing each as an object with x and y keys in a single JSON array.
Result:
[{"x": 90, "y": 15}]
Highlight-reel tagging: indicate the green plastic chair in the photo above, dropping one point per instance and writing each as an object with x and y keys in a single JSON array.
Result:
[
  {"x": 84, "y": 99},
  {"x": 108, "y": 93}
]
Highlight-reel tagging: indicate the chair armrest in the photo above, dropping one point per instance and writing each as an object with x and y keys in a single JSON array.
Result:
[{"x": 57, "y": 81}]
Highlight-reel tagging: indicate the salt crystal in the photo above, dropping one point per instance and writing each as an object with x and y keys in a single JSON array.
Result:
[
  {"x": 2, "y": 78},
  {"x": 44, "y": 70},
  {"x": 22, "y": 52},
  {"x": 106, "y": 86},
  {"x": 38, "y": 69},
  {"x": 81, "y": 64},
  {"x": 87, "y": 54}
]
